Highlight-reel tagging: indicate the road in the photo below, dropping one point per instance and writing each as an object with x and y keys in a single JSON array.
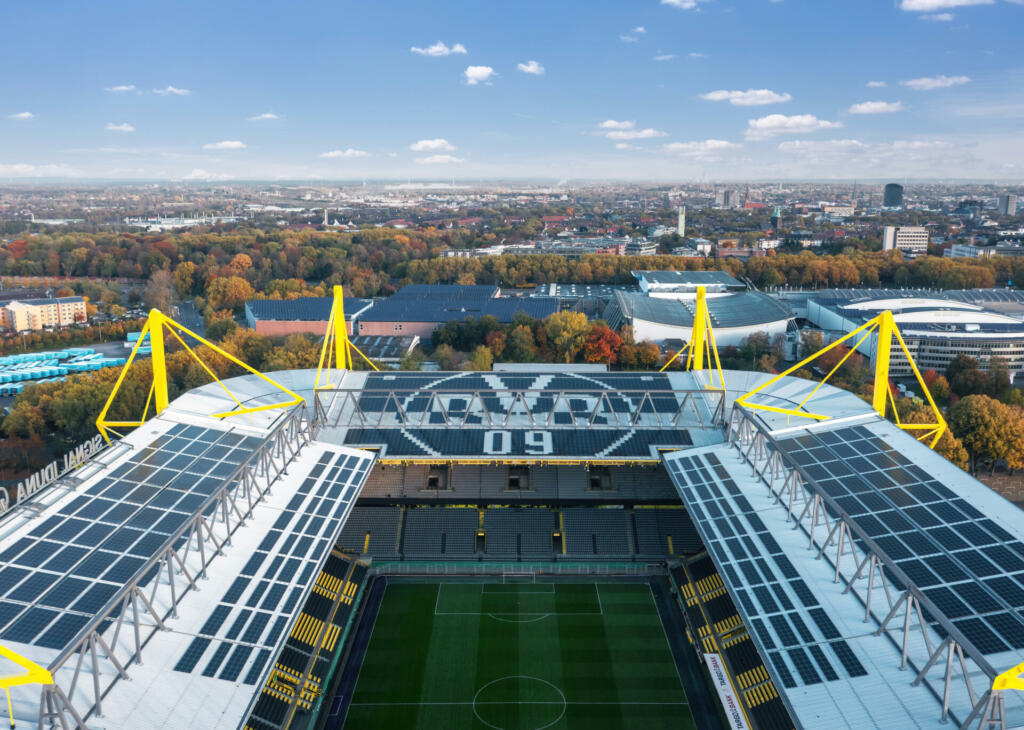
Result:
[{"x": 189, "y": 317}]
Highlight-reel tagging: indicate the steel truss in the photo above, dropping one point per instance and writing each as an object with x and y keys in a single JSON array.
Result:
[
  {"x": 605, "y": 409},
  {"x": 865, "y": 572},
  {"x": 87, "y": 668}
]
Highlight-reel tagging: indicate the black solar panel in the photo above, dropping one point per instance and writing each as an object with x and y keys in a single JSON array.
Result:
[
  {"x": 943, "y": 545},
  {"x": 253, "y": 613}
]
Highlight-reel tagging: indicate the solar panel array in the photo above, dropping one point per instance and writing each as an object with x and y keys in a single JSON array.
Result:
[
  {"x": 970, "y": 568},
  {"x": 254, "y": 613},
  {"x": 54, "y": 580},
  {"x": 791, "y": 626}
]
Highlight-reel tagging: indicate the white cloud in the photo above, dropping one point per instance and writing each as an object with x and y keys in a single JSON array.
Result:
[
  {"x": 834, "y": 149},
  {"x": 626, "y": 130},
  {"x": 439, "y": 49},
  {"x": 263, "y": 116},
  {"x": 21, "y": 169},
  {"x": 392, "y": 154},
  {"x": 347, "y": 153},
  {"x": 684, "y": 4},
  {"x": 123, "y": 89},
  {"x": 927, "y": 6},
  {"x": 171, "y": 91},
  {"x": 531, "y": 67},
  {"x": 627, "y": 146},
  {"x": 876, "y": 107},
  {"x": 876, "y": 84},
  {"x": 930, "y": 83},
  {"x": 125, "y": 127},
  {"x": 200, "y": 174},
  {"x": 939, "y": 17},
  {"x": 228, "y": 144},
  {"x": 628, "y": 38},
  {"x": 775, "y": 124},
  {"x": 478, "y": 75},
  {"x": 23, "y": 115},
  {"x": 750, "y": 97},
  {"x": 640, "y": 29},
  {"x": 432, "y": 145},
  {"x": 666, "y": 57},
  {"x": 694, "y": 54},
  {"x": 699, "y": 149},
  {"x": 439, "y": 160},
  {"x": 635, "y": 134}
]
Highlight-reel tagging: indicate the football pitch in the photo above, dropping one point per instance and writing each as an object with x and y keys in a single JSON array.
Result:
[{"x": 518, "y": 656}]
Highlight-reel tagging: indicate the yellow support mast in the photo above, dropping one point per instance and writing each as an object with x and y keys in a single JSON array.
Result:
[
  {"x": 336, "y": 353},
  {"x": 701, "y": 344},
  {"x": 157, "y": 326},
  {"x": 884, "y": 328},
  {"x": 34, "y": 674}
]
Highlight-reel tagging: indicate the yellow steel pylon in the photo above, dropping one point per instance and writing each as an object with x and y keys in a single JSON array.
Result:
[
  {"x": 701, "y": 344},
  {"x": 157, "y": 325},
  {"x": 34, "y": 674},
  {"x": 337, "y": 349},
  {"x": 884, "y": 326}
]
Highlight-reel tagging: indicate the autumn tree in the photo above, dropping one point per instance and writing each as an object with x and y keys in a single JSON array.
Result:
[
  {"x": 988, "y": 429},
  {"x": 482, "y": 358},
  {"x": 159, "y": 291},
  {"x": 229, "y": 292},
  {"x": 566, "y": 332},
  {"x": 602, "y": 345}
]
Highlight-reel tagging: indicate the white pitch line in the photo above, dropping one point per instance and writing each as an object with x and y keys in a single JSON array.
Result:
[
  {"x": 508, "y": 702},
  {"x": 599, "y": 604}
]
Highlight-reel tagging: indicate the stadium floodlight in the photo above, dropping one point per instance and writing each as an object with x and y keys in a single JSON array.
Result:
[
  {"x": 701, "y": 344},
  {"x": 157, "y": 325},
  {"x": 337, "y": 349},
  {"x": 884, "y": 327}
]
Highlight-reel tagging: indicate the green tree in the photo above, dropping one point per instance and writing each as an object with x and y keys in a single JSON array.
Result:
[{"x": 521, "y": 346}]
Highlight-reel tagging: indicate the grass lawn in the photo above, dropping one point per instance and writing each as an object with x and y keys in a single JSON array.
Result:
[{"x": 519, "y": 656}]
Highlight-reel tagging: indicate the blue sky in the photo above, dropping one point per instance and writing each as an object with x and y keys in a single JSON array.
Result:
[{"x": 630, "y": 89}]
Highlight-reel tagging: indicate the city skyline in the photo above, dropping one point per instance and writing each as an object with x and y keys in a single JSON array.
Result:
[{"x": 658, "y": 89}]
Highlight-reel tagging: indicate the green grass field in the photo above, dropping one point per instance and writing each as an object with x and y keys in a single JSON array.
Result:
[{"x": 520, "y": 656}]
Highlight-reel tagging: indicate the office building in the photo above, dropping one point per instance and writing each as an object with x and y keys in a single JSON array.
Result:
[
  {"x": 911, "y": 240},
  {"x": 892, "y": 197},
  {"x": 37, "y": 314},
  {"x": 1008, "y": 204}
]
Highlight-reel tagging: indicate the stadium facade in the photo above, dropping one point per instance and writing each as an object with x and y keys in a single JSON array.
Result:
[
  {"x": 936, "y": 326},
  {"x": 204, "y": 571}
]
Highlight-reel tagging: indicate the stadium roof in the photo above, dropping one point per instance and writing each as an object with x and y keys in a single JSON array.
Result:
[
  {"x": 689, "y": 279},
  {"x": 895, "y": 531},
  {"x": 446, "y": 291},
  {"x": 47, "y": 300},
  {"x": 303, "y": 309},
  {"x": 441, "y": 309},
  {"x": 744, "y": 309}
]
